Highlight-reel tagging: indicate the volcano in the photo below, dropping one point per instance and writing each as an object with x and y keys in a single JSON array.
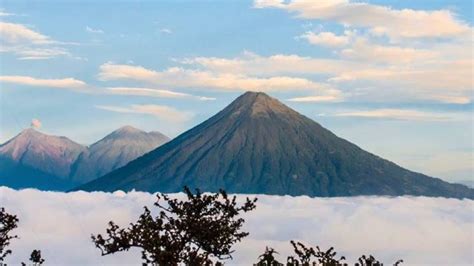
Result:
[
  {"x": 34, "y": 159},
  {"x": 258, "y": 145}
]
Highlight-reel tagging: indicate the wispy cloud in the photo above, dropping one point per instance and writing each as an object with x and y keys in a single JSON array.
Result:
[
  {"x": 185, "y": 78},
  {"x": 326, "y": 39},
  {"x": 4, "y": 13},
  {"x": 316, "y": 98},
  {"x": 278, "y": 64},
  {"x": 163, "y": 112},
  {"x": 398, "y": 114},
  {"x": 16, "y": 33},
  {"x": 384, "y": 54},
  {"x": 64, "y": 83},
  {"x": 28, "y": 44},
  {"x": 26, "y": 53},
  {"x": 92, "y": 30},
  {"x": 381, "y": 20},
  {"x": 154, "y": 93},
  {"x": 406, "y": 74},
  {"x": 166, "y": 30},
  {"x": 362, "y": 49}
]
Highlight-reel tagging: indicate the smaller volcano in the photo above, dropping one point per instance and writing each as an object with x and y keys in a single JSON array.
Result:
[{"x": 113, "y": 151}]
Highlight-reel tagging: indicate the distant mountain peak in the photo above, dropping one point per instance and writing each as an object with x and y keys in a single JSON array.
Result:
[
  {"x": 125, "y": 132},
  {"x": 115, "y": 150},
  {"x": 128, "y": 129},
  {"x": 50, "y": 154},
  {"x": 34, "y": 134},
  {"x": 29, "y": 131}
]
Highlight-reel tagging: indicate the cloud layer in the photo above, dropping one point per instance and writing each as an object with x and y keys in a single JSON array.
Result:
[{"x": 420, "y": 230}]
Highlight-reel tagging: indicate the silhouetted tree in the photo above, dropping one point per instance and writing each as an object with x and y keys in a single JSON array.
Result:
[
  {"x": 368, "y": 261},
  {"x": 328, "y": 257},
  {"x": 35, "y": 258},
  {"x": 304, "y": 254},
  {"x": 268, "y": 258},
  {"x": 190, "y": 231},
  {"x": 371, "y": 261},
  {"x": 308, "y": 256},
  {"x": 8, "y": 222}
]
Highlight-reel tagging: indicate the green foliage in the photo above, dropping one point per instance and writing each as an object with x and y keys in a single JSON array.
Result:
[
  {"x": 192, "y": 231},
  {"x": 8, "y": 222}
]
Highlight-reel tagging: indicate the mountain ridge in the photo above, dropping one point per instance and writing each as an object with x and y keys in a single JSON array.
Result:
[{"x": 35, "y": 159}]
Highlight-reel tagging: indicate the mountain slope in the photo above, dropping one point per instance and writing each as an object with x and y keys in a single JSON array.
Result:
[
  {"x": 18, "y": 176},
  {"x": 114, "y": 151},
  {"x": 259, "y": 145}
]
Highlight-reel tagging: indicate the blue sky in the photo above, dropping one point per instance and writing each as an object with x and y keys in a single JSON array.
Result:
[{"x": 394, "y": 77}]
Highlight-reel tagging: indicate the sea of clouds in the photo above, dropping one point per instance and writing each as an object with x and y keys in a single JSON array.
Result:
[{"x": 420, "y": 230}]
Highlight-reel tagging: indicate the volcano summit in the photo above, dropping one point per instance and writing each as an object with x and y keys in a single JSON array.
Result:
[{"x": 259, "y": 145}]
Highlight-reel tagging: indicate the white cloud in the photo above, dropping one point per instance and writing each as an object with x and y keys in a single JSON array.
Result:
[
  {"x": 317, "y": 98},
  {"x": 159, "y": 111},
  {"x": 326, "y": 39},
  {"x": 371, "y": 72},
  {"x": 268, "y": 3},
  {"x": 381, "y": 20},
  {"x": 91, "y": 30},
  {"x": 35, "y": 123},
  {"x": 4, "y": 13},
  {"x": 28, "y": 44},
  {"x": 363, "y": 50},
  {"x": 154, "y": 93},
  {"x": 17, "y": 33},
  {"x": 187, "y": 78},
  {"x": 398, "y": 114},
  {"x": 111, "y": 71},
  {"x": 66, "y": 83},
  {"x": 420, "y": 230},
  {"x": 167, "y": 31},
  {"x": 447, "y": 82},
  {"x": 250, "y": 63},
  {"x": 25, "y": 53}
]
